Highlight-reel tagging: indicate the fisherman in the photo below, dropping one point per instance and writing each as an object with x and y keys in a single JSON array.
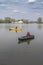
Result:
[
  {"x": 28, "y": 34},
  {"x": 16, "y": 27}
]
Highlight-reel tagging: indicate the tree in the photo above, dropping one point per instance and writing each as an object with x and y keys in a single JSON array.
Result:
[
  {"x": 13, "y": 20},
  {"x": 39, "y": 20},
  {"x": 7, "y": 20},
  {"x": 25, "y": 21},
  {"x": 1, "y": 21}
]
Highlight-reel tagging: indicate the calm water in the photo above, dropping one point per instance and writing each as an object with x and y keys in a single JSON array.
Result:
[{"x": 13, "y": 53}]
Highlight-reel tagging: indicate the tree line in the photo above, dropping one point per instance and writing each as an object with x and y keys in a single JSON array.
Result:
[{"x": 10, "y": 20}]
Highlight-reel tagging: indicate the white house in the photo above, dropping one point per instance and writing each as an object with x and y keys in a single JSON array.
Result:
[{"x": 20, "y": 21}]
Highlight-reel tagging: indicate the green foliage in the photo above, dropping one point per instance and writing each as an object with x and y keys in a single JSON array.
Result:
[
  {"x": 10, "y": 20},
  {"x": 1, "y": 21},
  {"x": 25, "y": 21},
  {"x": 7, "y": 20},
  {"x": 39, "y": 20}
]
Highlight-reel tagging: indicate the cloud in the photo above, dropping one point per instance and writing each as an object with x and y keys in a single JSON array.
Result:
[
  {"x": 37, "y": 13},
  {"x": 13, "y": 0},
  {"x": 42, "y": 2},
  {"x": 9, "y": 1},
  {"x": 17, "y": 11},
  {"x": 30, "y": 1},
  {"x": 23, "y": 12},
  {"x": 2, "y": 4}
]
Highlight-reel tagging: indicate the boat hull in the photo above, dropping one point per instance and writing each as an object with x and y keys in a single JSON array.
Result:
[
  {"x": 14, "y": 29},
  {"x": 26, "y": 38}
]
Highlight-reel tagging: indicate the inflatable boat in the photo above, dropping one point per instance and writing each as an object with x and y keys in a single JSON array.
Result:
[{"x": 26, "y": 38}]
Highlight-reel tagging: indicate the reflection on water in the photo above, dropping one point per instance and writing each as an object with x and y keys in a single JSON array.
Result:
[
  {"x": 15, "y": 30},
  {"x": 39, "y": 26},
  {"x": 27, "y": 41}
]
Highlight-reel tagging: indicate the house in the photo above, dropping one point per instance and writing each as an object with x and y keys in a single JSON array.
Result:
[{"x": 20, "y": 21}]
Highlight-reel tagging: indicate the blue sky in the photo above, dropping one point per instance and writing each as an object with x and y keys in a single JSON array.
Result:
[{"x": 29, "y": 9}]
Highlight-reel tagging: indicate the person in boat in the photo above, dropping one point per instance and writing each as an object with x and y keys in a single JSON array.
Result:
[
  {"x": 28, "y": 34},
  {"x": 16, "y": 27}
]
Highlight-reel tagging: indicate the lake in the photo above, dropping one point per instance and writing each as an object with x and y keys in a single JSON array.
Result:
[{"x": 24, "y": 53}]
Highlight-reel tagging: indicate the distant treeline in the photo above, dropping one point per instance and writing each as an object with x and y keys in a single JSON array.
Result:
[{"x": 10, "y": 20}]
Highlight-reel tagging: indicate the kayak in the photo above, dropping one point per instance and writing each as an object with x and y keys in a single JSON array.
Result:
[
  {"x": 14, "y": 29},
  {"x": 26, "y": 38}
]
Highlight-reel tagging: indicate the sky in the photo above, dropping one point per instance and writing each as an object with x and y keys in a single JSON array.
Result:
[{"x": 21, "y": 9}]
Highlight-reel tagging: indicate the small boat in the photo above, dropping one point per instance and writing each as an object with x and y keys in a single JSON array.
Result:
[
  {"x": 14, "y": 29},
  {"x": 26, "y": 38}
]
